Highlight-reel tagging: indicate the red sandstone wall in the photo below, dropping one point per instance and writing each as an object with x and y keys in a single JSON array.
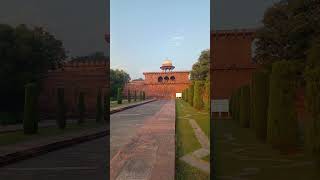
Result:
[
  {"x": 75, "y": 78},
  {"x": 231, "y": 65}
]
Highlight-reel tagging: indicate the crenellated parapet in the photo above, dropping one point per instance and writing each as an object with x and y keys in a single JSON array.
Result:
[{"x": 234, "y": 33}]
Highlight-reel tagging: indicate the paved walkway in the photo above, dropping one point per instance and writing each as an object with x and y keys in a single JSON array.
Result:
[
  {"x": 86, "y": 161},
  {"x": 195, "y": 158},
  {"x": 149, "y": 149}
]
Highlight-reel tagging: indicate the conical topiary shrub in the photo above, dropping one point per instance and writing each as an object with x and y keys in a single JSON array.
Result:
[
  {"x": 129, "y": 96},
  {"x": 99, "y": 108},
  {"x": 245, "y": 106},
  {"x": 190, "y": 94},
  {"x": 81, "y": 108},
  {"x": 31, "y": 116},
  {"x": 282, "y": 125},
  {"x": 119, "y": 96},
  {"x": 61, "y": 109},
  {"x": 143, "y": 95},
  {"x": 197, "y": 98},
  {"x": 187, "y": 94},
  {"x": 260, "y": 94},
  {"x": 135, "y": 95}
]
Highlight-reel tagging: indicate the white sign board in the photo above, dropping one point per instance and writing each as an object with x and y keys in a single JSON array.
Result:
[
  {"x": 220, "y": 105},
  {"x": 178, "y": 95}
]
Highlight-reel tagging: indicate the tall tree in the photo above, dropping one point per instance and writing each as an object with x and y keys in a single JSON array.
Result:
[
  {"x": 200, "y": 70},
  {"x": 118, "y": 78}
]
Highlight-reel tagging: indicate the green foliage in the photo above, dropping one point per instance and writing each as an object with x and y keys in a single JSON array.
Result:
[
  {"x": 129, "y": 96},
  {"x": 61, "y": 109},
  {"x": 200, "y": 70},
  {"x": 81, "y": 108},
  {"x": 187, "y": 95},
  {"x": 143, "y": 95},
  {"x": 245, "y": 107},
  {"x": 31, "y": 114},
  {"x": 99, "y": 107},
  {"x": 140, "y": 95},
  {"x": 26, "y": 55},
  {"x": 260, "y": 96},
  {"x": 119, "y": 96},
  {"x": 135, "y": 95},
  {"x": 118, "y": 79},
  {"x": 190, "y": 94},
  {"x": 289, "y": 28},
  {"x": 197, "y": 98},
  {"x": 206, "y": 98},
  {"x": 282, "y": 127},
  {"x": 313, "y": 107}
]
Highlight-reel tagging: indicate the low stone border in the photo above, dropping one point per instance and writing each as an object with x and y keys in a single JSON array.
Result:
[
  {"x": 42, "y": 149},
  {"x": 115, "y": 110}
]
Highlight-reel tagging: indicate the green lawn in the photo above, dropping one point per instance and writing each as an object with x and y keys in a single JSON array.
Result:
[
  {"x": 114, "y": 104},
  {"x": 240, "y": 155},
  {"x": 186, "y": 141},
  {"x": 19, "y": 136}
]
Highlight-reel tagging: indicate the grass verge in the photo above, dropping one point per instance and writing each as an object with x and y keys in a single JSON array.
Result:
[{"x": 186, "y": 142}]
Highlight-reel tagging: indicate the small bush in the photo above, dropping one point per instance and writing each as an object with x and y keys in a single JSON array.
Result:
[
  {"x": 143, "y": 95},
  {"x": 135, "y": 95},
  {"x": 31, "y": 116},
  {"x": 81, "y": 108},
  {"x": 61, "y": 109}
]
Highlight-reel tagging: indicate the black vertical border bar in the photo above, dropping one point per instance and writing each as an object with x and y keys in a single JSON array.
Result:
[
  {"x": 107, "y": 38},
  {"x": 212, "y": 132}
]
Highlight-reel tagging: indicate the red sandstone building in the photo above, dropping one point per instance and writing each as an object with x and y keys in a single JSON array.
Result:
[
  {"x": 231, "y": 65},
  {"x": 165, "y": 84},
  {"x": 87, "y": 76}
]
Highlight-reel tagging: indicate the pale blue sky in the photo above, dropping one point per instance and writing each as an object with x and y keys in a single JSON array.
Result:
[{"x": 145, "y": 32}]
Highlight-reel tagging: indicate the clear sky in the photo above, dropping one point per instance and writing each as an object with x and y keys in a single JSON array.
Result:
[{"x": 146, "y": 32}]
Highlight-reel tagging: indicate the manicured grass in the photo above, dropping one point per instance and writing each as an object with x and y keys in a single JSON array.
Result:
[
  {"x": 19, "y": 136},
  {"x": 114, "y": 104},
  {"x": 239, "y": 154},
  {"x": 186, "y": 142}
]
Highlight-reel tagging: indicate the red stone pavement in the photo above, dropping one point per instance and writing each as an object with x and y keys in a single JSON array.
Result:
[{"x": 151, "y": 154}]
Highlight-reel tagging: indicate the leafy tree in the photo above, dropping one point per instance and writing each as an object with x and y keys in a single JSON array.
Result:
[
  {"x": 190, "y": 94},
  {"x": 26, "y": 55},
  {"x": 200, "y": 70},
  {"x": 118, "y": 79}
]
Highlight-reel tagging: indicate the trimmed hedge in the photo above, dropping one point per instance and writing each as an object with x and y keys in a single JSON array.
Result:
[
  {"x": 31, "y": 116},
  {"x": 119, "y": 96},
  {"x": 206, "y": 99},
  {"x": 140, "y": 95},
  {"x": 197, "y": 96},
  {"x": 244, "y": 115},
  {"x": 81, "y": 108},
  {"x": 282, "y": 126},
  {"x": 312, "y": 136},
  {"x": 187, "y": 94},
  {"x": 99, "y": 108},
  {"x": 129, "y": 96},
  {"x": 190, "y": 94},
  {"x": 143, "y": 95},
  {"x": 61, "y": 109},
  {"x": 260, "y": 95},
  {"x": 135, "y": 95}
]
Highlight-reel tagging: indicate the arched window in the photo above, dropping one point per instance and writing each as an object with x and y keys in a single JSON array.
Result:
[
  {"x": 160, "y": 79},
  {"x": 166, "y": 78},
  {"x": 172, "y": 78}
]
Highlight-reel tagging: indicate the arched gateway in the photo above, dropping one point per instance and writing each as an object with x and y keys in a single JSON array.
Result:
[{"x": 165, "y": 84}]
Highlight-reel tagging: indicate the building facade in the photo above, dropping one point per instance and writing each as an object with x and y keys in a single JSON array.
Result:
[
  {"x": 231, "y": 65},
  {"x": 165, "y": 84},
  {"x": 87, "y": 76}
]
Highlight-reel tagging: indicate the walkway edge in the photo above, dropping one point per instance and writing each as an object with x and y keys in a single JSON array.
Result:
[
  {"x": 131, "y": 106},
  {"x": 42, "y": 149}
]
